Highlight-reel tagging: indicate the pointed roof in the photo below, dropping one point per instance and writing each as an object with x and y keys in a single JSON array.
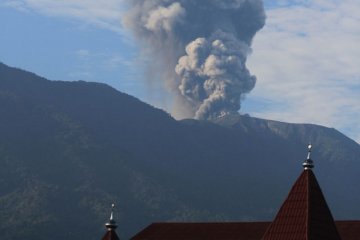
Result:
[
  {"x": 110, "y": 235},
  {"x": 111, "y": 226},
  {"x": 305, "y": 214}
]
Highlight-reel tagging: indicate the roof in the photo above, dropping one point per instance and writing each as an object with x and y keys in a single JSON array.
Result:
[
  {"x": 200, "y": 231},
  {"x": 110, "y": 235},
  {"x": 349, "y": 230},
  {"x": 304, "y": 214}
]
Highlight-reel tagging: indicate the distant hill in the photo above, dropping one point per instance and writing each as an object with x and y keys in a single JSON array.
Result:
[{"x": 70, "y": 149}]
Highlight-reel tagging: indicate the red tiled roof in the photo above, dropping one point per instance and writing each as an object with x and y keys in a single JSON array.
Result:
[
  {"x": 304, "y": 215},
  {"x": 200, "y": 231},
  {"x": 110, "y": 235},
  {"x": 349, "y": 230}
]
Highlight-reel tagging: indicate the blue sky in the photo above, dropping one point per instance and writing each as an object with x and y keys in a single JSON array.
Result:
[{"x": 306, "y": 58}]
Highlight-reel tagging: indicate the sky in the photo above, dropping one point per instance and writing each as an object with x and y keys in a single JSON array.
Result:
[{"x": 306, "y": 58}]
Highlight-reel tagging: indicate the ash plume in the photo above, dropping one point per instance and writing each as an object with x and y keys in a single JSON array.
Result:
[{"x": 201, "y": 48}]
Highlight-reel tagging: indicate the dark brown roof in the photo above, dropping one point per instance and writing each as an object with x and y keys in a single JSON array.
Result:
[
  {"x": 200, "y": 231},
  {"x": 304, "y": 214},
  {"x": 110, "y": 235},
  {"x": 349, "y": 230}
]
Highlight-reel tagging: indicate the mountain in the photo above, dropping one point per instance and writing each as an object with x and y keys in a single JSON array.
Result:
[{"x": 70, "y": 149}]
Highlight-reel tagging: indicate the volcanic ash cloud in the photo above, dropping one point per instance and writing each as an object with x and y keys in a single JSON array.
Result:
[{"x": 201, "y": 48}]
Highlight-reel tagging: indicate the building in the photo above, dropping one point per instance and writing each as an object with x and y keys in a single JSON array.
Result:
[{"x": 304, "y": 215}]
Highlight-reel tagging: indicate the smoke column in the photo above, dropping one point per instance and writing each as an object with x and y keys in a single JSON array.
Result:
[{"x": 201, "y": 47}]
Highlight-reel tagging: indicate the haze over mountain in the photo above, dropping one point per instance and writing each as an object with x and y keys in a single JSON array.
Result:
[{"x": 70, "y": 149}]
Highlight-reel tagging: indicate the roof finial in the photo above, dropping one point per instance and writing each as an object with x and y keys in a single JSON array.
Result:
[
  {"x": 112, "y": 223},
  {"x": 308, "y": 164},
  {"x": 309, "y": 152}
]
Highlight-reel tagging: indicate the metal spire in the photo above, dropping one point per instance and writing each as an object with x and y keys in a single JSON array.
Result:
[
  {"x": 112, "y": 223},
  {"x": 308, "y": 164}
]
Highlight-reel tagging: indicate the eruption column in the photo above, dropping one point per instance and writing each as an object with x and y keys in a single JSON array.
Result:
[{"x": 201, "y": 47}]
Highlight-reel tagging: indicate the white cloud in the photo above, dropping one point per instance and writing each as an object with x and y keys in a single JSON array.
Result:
[
  {"x": 19, "y": 5},
  {"x": 105, "y": 14},
  {"x": 308, "y": 58}
]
